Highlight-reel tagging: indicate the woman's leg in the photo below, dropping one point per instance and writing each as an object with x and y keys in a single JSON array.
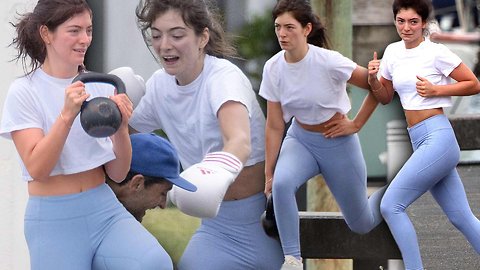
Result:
[
  {"x": 344, "y": 170},
  {"x": 233, "y": 240},
  {"x": 58, "y": 243},
  {"x": 294, "y": 167},
  {"x": 120, "y": 242},
  {"x": 435, "y": 154},
  {"x": 127, "y": 245},
  {"x": 450, "y": 195},
  {"x": 58, "y": 229}
]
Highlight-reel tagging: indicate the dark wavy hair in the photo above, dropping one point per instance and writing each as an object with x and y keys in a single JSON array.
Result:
[
  {"x": 422, "y": 7},
  {"x": 197, "y": 14},
  {"x": 31, "y": 49},
  {"x": 302, "y": 11}
]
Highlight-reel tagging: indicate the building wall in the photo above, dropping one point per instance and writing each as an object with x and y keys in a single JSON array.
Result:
[
  {"x": 372, "y": 12},
  {"x": 13, "y": 191},
  {"x": 117, "y": 41}
]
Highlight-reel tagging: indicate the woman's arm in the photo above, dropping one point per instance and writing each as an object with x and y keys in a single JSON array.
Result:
[
  {"x": 234, "y": 124},
  {"x": 40, "y": 152},
  {"x": 368, "y": 106},
  {"x": 274, "y": 132},
  {"x": 345, "y": 126},
  {"x": 359, "y": 78},
  {"x": 466, "y": 84},
  {"x": 118, "y": 168},
  {"x": 381, "y": 88}
]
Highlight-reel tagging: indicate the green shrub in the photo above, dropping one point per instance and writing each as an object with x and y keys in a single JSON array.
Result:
[
  {"x": 172, "y": 228},
  {"x": 256, "y": 43}
]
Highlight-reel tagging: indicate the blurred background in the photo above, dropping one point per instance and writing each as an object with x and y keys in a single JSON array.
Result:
[{"x": 117, "y": 42}]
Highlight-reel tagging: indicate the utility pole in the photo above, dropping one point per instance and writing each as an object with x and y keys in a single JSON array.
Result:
[{"x": 336, "y": 15}]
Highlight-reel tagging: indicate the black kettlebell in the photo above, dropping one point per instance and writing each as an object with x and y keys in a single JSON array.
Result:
[
  {"x": 268, "y": 219},
  {"x": 100, "y": 117}
]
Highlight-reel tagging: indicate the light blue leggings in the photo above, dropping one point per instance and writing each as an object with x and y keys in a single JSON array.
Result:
[
  {"x": 233, "y": 240},
  {"x": 305, "y": 154},
  {"x": 89, "y": 231},
  {"x": 432, "y": 167}
]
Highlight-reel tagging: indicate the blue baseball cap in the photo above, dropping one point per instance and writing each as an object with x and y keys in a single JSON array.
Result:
[{"x": 154, "y": 156}]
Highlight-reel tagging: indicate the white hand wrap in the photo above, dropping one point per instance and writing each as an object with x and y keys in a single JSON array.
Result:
[
  {"x": 134, "y": 84},
  {"x": 212, "y": 176}
]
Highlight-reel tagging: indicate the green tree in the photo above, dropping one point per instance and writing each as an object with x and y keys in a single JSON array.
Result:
[{"x": 257, "y": 43}]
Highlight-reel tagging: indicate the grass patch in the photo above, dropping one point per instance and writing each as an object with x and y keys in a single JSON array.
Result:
[{"x": 172, "y": 228}]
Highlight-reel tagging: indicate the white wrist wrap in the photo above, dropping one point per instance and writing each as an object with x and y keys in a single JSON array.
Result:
[{"x": 225, "y": 160}]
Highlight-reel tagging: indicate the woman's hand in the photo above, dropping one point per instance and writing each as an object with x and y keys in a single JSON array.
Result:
[
  {"x": 373, "y": 68},
  {"x": 75, "y": 95},
  {"x": 425, "y": 87},
  {"x": 126, "y": 108},
  {"x": 381, "y": 88},
  {"x": 340, "y": 127},
  {"x": 268, "y": 185},
  {"x": 118, "y": 168}
]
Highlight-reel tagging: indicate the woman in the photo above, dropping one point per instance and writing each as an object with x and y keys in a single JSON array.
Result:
[
  {"x": 73, "y": 219},
  {"x": 206, "y": 107},
  {"x": 307, "y": 82},
  {"x": 420, "y": 71}
]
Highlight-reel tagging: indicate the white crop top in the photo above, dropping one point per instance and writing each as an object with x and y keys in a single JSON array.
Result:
[
  {"x": 35, "y": 101},
  {"x": 311, "y": 90},
  {"x": 430, "y": 60}
]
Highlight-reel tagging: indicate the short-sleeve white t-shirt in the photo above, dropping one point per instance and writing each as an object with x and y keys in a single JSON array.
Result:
[
  {"x": 311, "y": 90},
  {"x": 430, "y": 60},
  {"x": 188, "y": 114},
  {"x": 35, "y": 101}
]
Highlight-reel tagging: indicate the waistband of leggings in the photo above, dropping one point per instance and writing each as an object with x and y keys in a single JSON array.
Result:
[
  {"x": 439, "y": 121},
  {"x": 71, "y": 205},
  {"x": 247, "y": 210}
]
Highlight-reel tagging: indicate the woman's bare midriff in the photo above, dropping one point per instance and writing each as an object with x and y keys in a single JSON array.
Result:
[
  {"x": 415, "y": 117},
  {"x": 320, "y": 128},
  {"x": 67, "y": 184},
  {"x": 250, "y": 181}
]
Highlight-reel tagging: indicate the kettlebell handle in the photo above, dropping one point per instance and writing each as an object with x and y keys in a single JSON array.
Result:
[
  {"x": 100, "y": 117},
  {"x": 90, "y": 76}
]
